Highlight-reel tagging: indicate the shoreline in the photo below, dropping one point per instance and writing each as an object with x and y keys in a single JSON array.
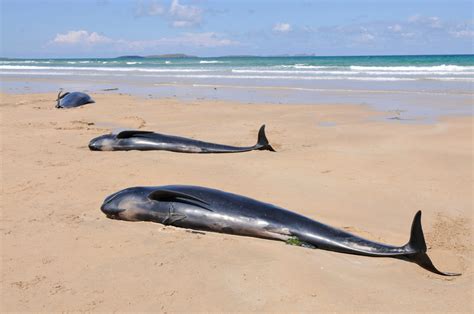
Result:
[
  {"x": 361, "y": 174},
  {"x": 412, "y": 105}
]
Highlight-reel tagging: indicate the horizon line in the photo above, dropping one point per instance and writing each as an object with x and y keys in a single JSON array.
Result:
[{"x": 245, "y": 56}]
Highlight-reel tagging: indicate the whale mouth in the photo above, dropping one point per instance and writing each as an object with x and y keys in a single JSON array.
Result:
[
  {"x": 115, "y": 214},
  {"x": 110, "y": 211},
  {"x": 94, "y": 147}
]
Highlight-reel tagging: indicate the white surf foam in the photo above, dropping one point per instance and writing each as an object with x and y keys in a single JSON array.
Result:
[
  {"x": 339, "y": 72},
  {"x": 210, "y": 61},
  {"x": 303, "y": 66},
  {"x": 99, "y": 69},
  {"x": 289, "y": 71},
  {"x": 435, "y": 68},
  {"x": 256, "y": 77},
  {"x": 285, "y": 77}
]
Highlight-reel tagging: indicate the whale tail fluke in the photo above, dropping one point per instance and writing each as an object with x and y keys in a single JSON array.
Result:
[
  {"x": 262, "y": 143},
  {"x": 416, "y": 248}
]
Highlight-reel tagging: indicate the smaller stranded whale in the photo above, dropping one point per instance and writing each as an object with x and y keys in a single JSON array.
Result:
[
  {"x": 146, "y": 140},
  {"x": 207, "y": 209},
  {"x": 74, "y": 99}
]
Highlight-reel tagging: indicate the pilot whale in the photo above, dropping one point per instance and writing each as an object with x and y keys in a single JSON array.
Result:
[
  {"x": 213, "y": 210},
  {"x": 74, "y": 99},
  {"x": 147, "y": 140}
]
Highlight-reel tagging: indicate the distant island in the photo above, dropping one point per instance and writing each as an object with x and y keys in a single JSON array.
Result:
[{"x": 164, "y": 56}]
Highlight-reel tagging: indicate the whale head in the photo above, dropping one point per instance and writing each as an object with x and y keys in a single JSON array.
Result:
[
  {"x": 131, "y": 204},
  {"x": 103, "y": 142}
]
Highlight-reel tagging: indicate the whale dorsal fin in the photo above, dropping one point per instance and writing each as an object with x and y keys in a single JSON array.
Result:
[
  {"x": 168, "y": 195},
  {"x": 130, "y": 133}
]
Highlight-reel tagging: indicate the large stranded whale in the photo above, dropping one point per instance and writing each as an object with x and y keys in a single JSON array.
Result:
[
  {"x": 74, "y": 99},
  {"x": 213, "y": 210},
  {"x": 146, "y": 140}
]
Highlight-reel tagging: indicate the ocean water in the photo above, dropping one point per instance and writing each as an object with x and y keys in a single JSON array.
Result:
[
  {"x": 405, "y": 83},
  {"x": 361, "y": 68}
]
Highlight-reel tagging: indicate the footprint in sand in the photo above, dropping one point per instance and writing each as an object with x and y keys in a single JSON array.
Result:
[
  {"x": 451, "y": 236},
  {"x": 124, "y": 123},
  {"x": 451, "y": 233},
  {"x": 134, "y": 122},
  {"x": 23, "y": 285},
  {"x": 79, "y": 125}
]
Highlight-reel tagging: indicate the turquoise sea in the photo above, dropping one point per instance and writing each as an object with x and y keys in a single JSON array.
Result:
[
  {"x": 417, "y": 84},
  {"x": 361, "y": 68}
]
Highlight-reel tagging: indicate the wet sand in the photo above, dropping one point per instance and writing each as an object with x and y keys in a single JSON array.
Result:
[{"x": 344, "y": 165}]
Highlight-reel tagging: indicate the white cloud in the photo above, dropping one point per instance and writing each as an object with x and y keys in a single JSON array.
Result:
[
  {"x": 282, "y": 27},
  {"x": 430, "y": 21},
  {"x": 179, "y": 24},
  {"x": 408, "y": 35},
  {"x": 151, "y": 8},
  {"x": 364, "y": 38},
  {"x": 206, "y": 40},
  {"x": 463, "y": 30},
  {"x": 81, "y": 37},
  {"x": 395, "y": 28},
  {"x": 465, "y": 33},
  {"x": 184, "y": 15},
  {"x": 179, "y": 15},
  {"x": 209, "y": 39},
  {"x": 414, "y": 18},
  {"x": 434, "y": 22}
]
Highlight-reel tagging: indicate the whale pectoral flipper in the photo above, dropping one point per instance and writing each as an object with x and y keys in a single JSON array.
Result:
[
  {"x": 168, "y": 195},
  {"x": 60, "y": 97},
  {"x": 130, "y": 133},
  {"x": 63, "y": 95},
  {"x": 172, "y": 218}
]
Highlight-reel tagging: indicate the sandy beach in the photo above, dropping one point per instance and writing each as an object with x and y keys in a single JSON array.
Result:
[{"x": 344, "y": 165}]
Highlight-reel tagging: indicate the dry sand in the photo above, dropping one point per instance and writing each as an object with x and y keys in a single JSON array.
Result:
[{"x": 365, "y": 174}]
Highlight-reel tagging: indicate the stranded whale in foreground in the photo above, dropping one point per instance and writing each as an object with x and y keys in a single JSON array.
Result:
[
  {"x": 146, "y": 140},
  {"x": 213, "y": 210},
  {"x": 74, "y": 99}
]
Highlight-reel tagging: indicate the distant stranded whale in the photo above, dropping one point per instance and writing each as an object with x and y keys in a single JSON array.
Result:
[
  {"x": 74, "y": 99},
  {"x": 146, "y": 140},
  {"x": 213, "y": 210}
]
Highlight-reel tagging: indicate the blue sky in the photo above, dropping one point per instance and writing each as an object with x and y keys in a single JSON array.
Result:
[{"x": 109, "y": 28}]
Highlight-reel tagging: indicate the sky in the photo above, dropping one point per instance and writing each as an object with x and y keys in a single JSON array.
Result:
[{"x": 110, "y": 28}]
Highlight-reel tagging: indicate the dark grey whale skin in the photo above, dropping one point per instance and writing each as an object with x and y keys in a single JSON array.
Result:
[
  {"x": 146, "y": 140},
  {"x": 74, "y": 99},
  {"x": 213, "y": 210}
]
